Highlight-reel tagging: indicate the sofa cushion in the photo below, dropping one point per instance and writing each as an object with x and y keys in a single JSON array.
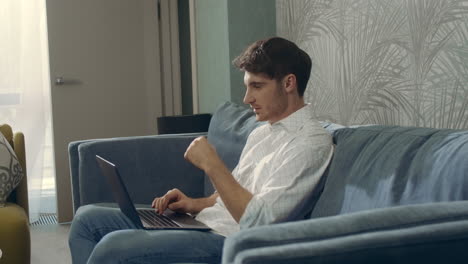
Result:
[
  {"x": 14, "y": 234},
  {"x": 402, "y": 234},
  {"x": 11, "y": 171},
  {"x": 229, "y": 129},
  {"x": 381, "y": 166}
]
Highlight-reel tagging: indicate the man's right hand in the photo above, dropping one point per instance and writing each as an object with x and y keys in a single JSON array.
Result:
[{"x": 175, "y": 200}]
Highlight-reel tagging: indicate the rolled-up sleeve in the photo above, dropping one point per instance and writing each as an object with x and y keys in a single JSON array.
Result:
[{"x": 290, "y": 177}]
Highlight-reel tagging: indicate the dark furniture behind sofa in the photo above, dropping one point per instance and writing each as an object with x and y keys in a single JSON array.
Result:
[
  {"x": 391, "y": 194},
  {"x": 183, "y": 124}
]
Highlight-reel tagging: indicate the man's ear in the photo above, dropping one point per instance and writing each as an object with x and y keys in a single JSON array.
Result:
[{"x": 290, "y": 83}]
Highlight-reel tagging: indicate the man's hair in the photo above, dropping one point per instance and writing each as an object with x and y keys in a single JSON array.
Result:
[{"x": 276, "y": 57}]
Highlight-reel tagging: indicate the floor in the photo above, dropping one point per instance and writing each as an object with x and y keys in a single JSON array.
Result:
[
  {"x": 49, "y": 244},
  {"x": 49, "y": 240}
]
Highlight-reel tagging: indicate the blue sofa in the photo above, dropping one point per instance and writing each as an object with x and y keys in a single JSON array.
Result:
[{"x": 390, "y": 195}]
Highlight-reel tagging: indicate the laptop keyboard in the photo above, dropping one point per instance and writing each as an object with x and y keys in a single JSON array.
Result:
[{"x": 152, "y": 218}]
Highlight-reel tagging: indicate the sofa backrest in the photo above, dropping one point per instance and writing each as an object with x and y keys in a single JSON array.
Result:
[
  {"x": 382, "y": 166},
  {"x": 229, "y": 129}
]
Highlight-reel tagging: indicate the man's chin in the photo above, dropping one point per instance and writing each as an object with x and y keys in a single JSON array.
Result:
[{"x": 259, "y": 118}]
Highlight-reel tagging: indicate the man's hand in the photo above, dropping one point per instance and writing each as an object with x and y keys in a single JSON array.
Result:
[
  {"x": 176, "y": 201},
  {"x": 202, "y": 154}
]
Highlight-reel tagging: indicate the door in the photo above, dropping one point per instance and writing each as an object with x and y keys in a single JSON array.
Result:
[{"x": 105, "y": 76}]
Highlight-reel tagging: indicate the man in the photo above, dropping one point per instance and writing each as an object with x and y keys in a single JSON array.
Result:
[{"x": 279, "y": 167}]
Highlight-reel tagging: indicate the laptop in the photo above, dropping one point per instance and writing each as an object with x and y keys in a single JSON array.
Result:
[{"x": 145, "y": 218}]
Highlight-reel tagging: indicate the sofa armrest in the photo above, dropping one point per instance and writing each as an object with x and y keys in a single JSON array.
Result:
[
  {"x": 426, "y": 233},
  {"x": 149, "y": 167}
]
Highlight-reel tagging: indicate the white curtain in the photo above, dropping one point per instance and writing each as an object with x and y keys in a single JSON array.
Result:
[{"x": 25, "y": 93}]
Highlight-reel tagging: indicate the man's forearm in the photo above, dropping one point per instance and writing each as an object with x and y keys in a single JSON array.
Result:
[
  {"x": 202, "y": 203},
  {"x": 201, "y": 154},
  {"x": 234, "y": 196}
]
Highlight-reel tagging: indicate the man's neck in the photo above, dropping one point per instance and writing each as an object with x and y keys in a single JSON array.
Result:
[{"x": 292, "y": 107}]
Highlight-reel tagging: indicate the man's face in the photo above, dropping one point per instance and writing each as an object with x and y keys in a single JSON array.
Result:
[{"x": 266, "y": 96}]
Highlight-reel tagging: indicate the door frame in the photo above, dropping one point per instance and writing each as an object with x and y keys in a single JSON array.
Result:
[{"x": 170, "y": 57}]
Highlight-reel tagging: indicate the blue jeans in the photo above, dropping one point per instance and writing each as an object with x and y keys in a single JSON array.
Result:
[{"x": 103, "y": 235}]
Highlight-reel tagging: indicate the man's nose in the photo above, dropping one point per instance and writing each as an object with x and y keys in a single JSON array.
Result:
[{"x": 248, "y": 98}]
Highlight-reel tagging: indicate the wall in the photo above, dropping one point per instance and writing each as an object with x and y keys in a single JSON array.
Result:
[
  {"x": 249, "y": 21},
  {"x": 383, "y": 62},
  {"x": 224, "y": 28},
  {"x": 212, "y": 53}
]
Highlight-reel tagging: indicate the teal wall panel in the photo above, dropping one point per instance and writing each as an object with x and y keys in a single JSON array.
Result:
[
  {"x": 223, "y": 29},
  {"x": 249, "y": 21},
  {"x": 212, "y": 53}
]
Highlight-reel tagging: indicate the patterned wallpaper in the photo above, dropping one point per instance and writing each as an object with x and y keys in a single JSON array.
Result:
[{"x": 398, "y": 62}]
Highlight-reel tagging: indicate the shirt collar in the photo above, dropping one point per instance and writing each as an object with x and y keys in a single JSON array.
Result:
[{"x": 296, "y": 120}]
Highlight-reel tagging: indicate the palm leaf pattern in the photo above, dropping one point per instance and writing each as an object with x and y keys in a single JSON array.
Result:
[{"x": 399, "y": 62}]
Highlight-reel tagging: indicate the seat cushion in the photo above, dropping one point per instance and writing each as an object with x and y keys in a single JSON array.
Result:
[
  {"x": 382, "y": 166},
  {"x": 14, "y": 234}
]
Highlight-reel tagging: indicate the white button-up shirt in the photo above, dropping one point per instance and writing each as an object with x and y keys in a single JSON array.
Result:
[{"x": 280, "y": 165}]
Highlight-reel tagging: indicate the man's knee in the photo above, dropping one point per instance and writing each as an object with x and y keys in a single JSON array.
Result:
[
  {"x": 86, "y": 219},
  {"x": 83, "y": 216},
  {"x": 92, "y": 215},
  {"x": 89, "y": 211},
  {"x": 115, "y": 247},
  {"x": 80, "y": 221}
]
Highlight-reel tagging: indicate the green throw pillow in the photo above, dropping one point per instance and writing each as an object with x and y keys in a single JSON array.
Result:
[{"x": 11, "y": 171}]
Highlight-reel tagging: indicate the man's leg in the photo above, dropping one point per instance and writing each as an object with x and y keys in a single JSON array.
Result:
[
  {"x": 158, "y": 246},
  {"x": 90, "y": 224},
  {"x": 105, "y": 235}
]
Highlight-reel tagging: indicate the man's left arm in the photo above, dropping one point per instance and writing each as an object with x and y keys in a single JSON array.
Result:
[{"x": 235, "y": 197}]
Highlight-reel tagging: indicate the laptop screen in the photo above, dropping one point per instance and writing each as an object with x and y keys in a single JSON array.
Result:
[{"x": 118, "y": 189}]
